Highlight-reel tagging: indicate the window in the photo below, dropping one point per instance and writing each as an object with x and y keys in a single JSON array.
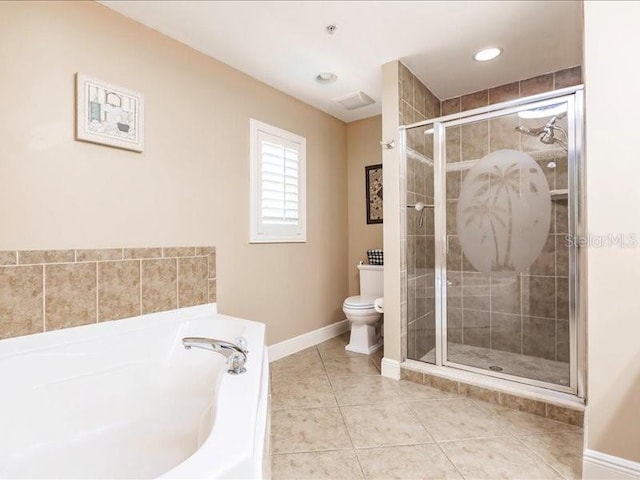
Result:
[{"x": 278, "y": 185}]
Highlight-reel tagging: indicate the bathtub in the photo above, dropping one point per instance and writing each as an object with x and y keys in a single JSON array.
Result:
[{"x": 124, "y": 399}]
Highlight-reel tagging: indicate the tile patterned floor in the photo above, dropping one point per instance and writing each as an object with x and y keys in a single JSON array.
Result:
[{"x": 334, "y": 417}]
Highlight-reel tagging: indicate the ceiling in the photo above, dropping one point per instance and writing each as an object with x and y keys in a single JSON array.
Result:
[{"x": 285, "y": 44}]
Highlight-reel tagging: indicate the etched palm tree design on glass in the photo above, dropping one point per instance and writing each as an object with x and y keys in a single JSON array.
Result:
[
  {"x": 483, "y": 212},
  {"x": 504, "y": 212},
  {"x": 498, "y": 182}
]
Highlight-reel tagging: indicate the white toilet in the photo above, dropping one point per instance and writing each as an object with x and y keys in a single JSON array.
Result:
[{"x": 361, "y": 312}]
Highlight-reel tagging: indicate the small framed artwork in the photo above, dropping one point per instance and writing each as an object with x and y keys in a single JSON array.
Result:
[
  {"x": 108, "y": 114},
  {"x": 373, "y": 175}
]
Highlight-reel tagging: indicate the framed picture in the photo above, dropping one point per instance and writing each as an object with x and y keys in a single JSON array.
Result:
[
  {"x": 108, "y": 114},
  {"x": 373, "y": 174}
]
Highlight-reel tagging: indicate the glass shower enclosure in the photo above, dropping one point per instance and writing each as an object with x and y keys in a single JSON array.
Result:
[{"x": 493, "y": 211}]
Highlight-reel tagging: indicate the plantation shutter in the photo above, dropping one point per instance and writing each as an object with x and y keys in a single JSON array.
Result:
[
  {"x": 278, "y": 185},
  {"x": 279, "y": 181}
]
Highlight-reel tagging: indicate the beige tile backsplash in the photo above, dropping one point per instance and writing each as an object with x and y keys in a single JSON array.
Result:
[
  {"x": 159, "y": 285},
  {"x": 193, "y": 280},
  {"x": 8, "y": 258},
  {"x": 99, "y": 255},
  {"x": 45, "y": 256},
  {"x": 42, "y": 290},
  {"x": 70, "y": 295},
  {"x": 134, "y": 253},
  {"x": 21, "y": 292},
  {"x": 118, "y": 289}
]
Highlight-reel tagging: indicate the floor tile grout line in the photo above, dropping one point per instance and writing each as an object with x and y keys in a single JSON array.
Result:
[
  {"x": 323, "y": 450},
  {"x": 471, "y": 439},
  {"x": 507, "y": 434},
  {"x": 331, "y": 407},
  {"x": 539, "y": 457},
  {"x": 415, "y": 416},
  {"x": 562, "y": 427},
  {"x": 344, "y": 421},
  {"x": 395, "y": 445},
  {"x": 450, "y": 461},
  {"x": 518, "y": 437},
  {"x": 355, "y": 452}
]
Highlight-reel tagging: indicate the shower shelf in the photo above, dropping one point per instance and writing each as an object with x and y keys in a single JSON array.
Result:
[
  {"x": 537, "y": 155},
  {"x": 561, "y": 194},
  {"x": 419, "y": 156}
]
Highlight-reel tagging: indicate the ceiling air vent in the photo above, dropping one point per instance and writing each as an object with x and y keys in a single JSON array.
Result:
[{"x": 355, "y": 100}]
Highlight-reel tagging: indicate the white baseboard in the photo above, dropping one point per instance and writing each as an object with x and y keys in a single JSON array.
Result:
[
  {"x": 390, "y": 369},
  {"x": 306, "y": 340},
  {"x": 602, "y": 466}
]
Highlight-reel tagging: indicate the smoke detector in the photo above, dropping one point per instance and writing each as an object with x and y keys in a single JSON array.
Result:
[{"x": 354, "y": 100}]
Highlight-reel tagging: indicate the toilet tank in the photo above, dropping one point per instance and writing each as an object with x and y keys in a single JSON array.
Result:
[{"x": 371, "y": 280}]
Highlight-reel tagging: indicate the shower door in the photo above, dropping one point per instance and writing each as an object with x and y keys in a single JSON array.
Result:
[{"x": 506, "y": 216}]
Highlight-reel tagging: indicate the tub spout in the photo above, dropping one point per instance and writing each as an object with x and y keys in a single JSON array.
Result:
[{"x": 236, "y": 354}]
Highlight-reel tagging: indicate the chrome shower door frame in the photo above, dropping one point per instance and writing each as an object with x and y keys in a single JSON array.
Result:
[{"x": 573, "y": 96}]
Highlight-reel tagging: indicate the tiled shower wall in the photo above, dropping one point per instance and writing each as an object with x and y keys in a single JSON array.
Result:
[
  {"x": 525, "y": 314},
  {"x": 51, "y": 289},
  {"x": 418, "y": 103},
  {"x": 511, "y": 91}
]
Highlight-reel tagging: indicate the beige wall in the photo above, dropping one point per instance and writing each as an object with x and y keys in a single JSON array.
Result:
[
  {"x": 394, "y": 256},
  {"x": 363, "y": 149},
  {"x": 189, "y": 187},
  {"x": 613, "y": 194}
]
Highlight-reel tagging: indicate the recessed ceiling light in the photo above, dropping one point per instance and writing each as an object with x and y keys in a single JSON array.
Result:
[
  {"x": 326, "y": 77},
  {"x": 487, "y": 54}
]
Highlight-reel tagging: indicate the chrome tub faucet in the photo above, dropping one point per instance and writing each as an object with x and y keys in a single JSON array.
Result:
[{"x": 236, "y": 354}]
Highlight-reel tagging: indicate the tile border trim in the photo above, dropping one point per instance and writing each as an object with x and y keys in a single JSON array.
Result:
[
  {"x": 90, "y": 255},
  {"x": 511, "y": 400}
]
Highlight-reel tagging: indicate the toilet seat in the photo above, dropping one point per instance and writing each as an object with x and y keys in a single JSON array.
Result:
[
  {"x": 363, "y": 318},
  {"x": 359, "y": 302}
]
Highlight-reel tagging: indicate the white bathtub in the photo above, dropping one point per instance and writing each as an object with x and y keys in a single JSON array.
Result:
[{"x": 124, "y": 399}]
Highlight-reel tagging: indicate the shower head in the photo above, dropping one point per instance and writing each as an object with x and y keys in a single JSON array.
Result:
[
  {"x": 546, "y": 128},
  {"x": 548, "y": 137},
  {"x": 534, "y": 132},
  {"x": 547, "y": 131}
]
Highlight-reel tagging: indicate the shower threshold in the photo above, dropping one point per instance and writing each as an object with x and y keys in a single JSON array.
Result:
[{"x": 523, "y": 366}]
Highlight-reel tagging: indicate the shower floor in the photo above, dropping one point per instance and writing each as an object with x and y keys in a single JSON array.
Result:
[{"x": 535, "y": 368}]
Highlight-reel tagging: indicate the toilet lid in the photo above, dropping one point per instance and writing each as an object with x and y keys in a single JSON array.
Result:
[{"x": 359, "y": 301}]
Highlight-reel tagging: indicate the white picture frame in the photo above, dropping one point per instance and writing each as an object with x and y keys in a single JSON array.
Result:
[{"x": 108, "y": 114}]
